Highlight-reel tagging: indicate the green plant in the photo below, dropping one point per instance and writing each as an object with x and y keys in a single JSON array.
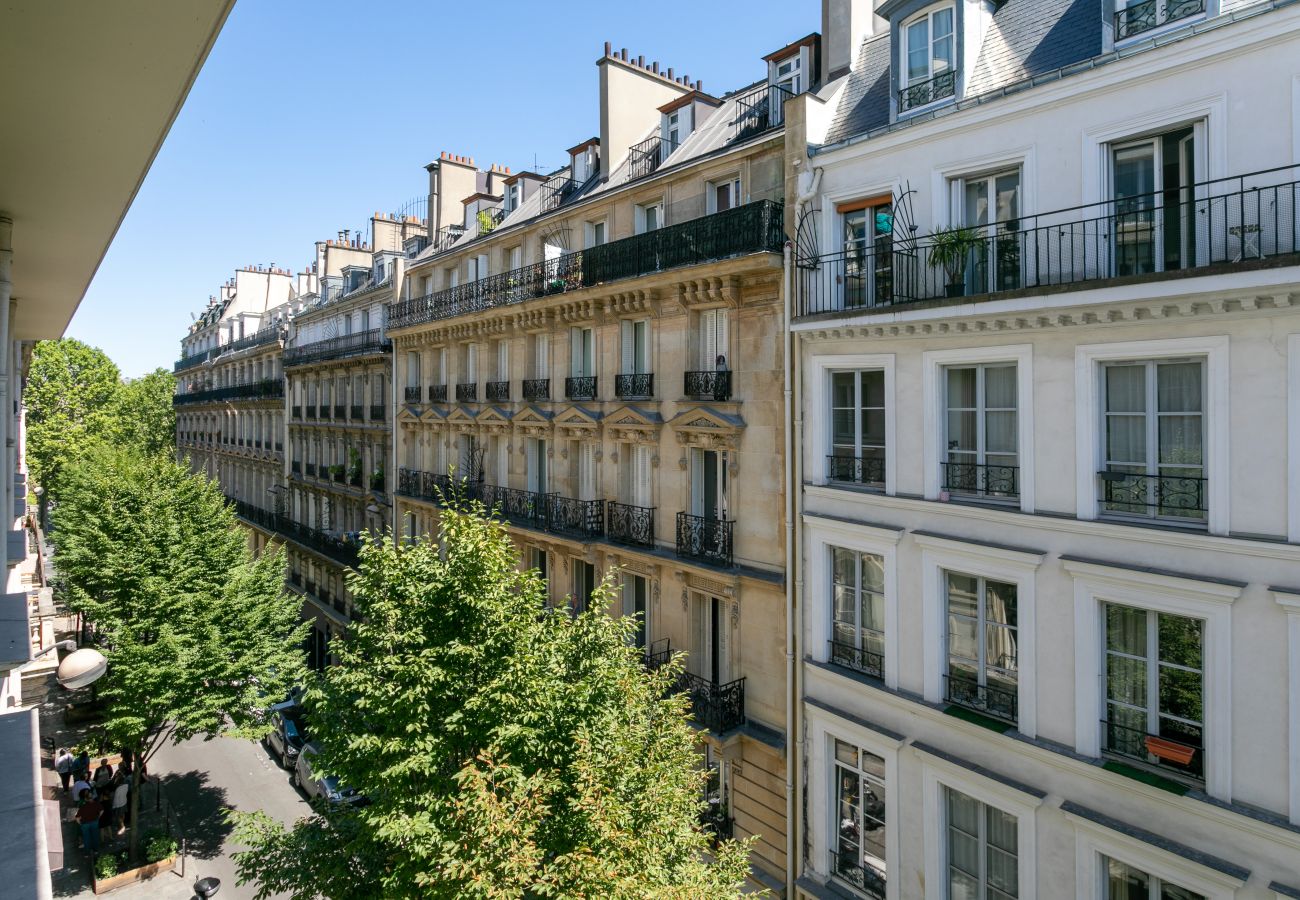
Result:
[
  {"x": 950, "y": 250},
  {"x": 159, "y": 845},
  {"x": 106, "y": 866},
  {"x": 485, "y": 221}
]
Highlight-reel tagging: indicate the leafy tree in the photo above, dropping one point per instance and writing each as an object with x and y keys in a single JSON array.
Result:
[
  {"x": 198, "y": 632},
  {"x": 508, "y": 749},
  {"x": 143, "y": 415},
  {"x": 69, "y": 397}
]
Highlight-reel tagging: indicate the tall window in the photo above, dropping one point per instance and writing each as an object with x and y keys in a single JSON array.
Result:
[
  {"x": 858, "y": 427},
  {"x": 982, "y": 644},
  {"x": 858, "y": 604},
  {"x": 1155, "y": 688},
  {"x": 636, "y": 591},
  {"x": 859, "y": 850},
  {"x": 673, "y": 131},
  {"x": 634, "y": 475},
  {"x": 712, "y": 341},
  {"x": 723, "y": 195},
  {"x": 1155, "y": 215},
  {"x": 991, "y": 206},
  {"x": 582, "y": 353},
  {"x": 709, "y": 483},
  {"x": 1125, "y": 882},
  {"x": 789, "y": 74},
  {"x": 982, "y": 847},
  {"x": 536, "y": 461},
  {"x": 1155, "y": 439},
  {"x": 980, "y": 455},
  {"x": 595, "y": 233},
  {"x": 931, "y": 59},
  {"x": 868, "y": 252},
  {"x": 635, "y": 346},
  {"x": 649, "y": 217},
  {"x": 584, "y": 583}
]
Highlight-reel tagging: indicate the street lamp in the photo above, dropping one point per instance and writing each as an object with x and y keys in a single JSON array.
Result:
[{"x": 80, "y": 667}]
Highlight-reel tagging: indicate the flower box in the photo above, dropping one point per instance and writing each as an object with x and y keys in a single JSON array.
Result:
[
  {"x": 1170, "y": 751},
  {"x": 131, "y": 876}
]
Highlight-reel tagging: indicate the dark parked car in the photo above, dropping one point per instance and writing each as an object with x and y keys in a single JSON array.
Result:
[
  {"x": 328, "y": 788},
  {"x": 288, "y": 735}
]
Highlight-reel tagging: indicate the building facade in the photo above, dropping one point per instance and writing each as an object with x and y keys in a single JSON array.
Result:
[{"x": 1048, "y": 361}]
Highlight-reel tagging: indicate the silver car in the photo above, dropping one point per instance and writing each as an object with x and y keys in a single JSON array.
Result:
[{"x": 326, "y": 789}]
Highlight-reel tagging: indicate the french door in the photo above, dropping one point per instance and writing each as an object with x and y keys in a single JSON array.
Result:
[{"x": 1154, "y": 203}]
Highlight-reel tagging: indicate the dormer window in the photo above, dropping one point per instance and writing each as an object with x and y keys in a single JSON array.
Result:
[
  {"x": 1133, "y": 17},
  {"x": 789, "y": 74},
  {"x": 929, "y": 60},
  {"x": 673, "y": 129},
  {"x": 512, "y": 197}
]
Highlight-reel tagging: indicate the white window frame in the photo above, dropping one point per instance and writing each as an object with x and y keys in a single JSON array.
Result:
[
  {"x": 794, "y": 76},
  {"x": 822, "y": 367},
  {"x": 1090, "y": 432},
  {"x": 1018, "y": 567},
  {"x": 1117, "y": 6},
  {"x": 1207, "y": 116},
  {"x": 823, "y": 728},
  {"x": 1289, "y": 600},
  {"x": 1211, "y": 602},
  {"x": 937, "y": 774},
  {"x": 932, "y": 383},
  {"x": 823, "y": 534},
  {"x": 656, "y": 204},
  {"x": 589, "y": 233},
  {"x": 928, "y": 15},
  {"x": 1293, "y": 407},
  {"x": 1093, "y": 841},
  {"x": 711, "y": 188}
]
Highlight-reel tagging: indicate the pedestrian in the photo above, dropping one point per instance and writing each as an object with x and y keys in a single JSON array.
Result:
[
  {"x": 120, "y": 796},
  {"x": 88, "y": 816},
  {"x": 103, "y": 775},
  {"x": 80, "y": 787},
  {"x": 63, "y": 765},
  {"x": 105, "y": 797},
  {"x": 81, "y": 765}
]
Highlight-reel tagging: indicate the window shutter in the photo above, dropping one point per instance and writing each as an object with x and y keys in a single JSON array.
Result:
[
  {"x": 626, "y": 475},
  {"x": 587, "y": 472},
  {"x": 720, "y": 336},
  {"x": 575, "y": 352},
  {"x": 641, "y": 476},
  {"x": 708, "y": 339},
  {"x": 628, "y": 340},
  {"x": 543, "y": 352},
  {"x": 503, "y": 361},
  {"x": 471, "y": 363}
]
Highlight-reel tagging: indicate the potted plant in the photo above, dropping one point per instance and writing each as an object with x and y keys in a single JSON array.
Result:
[
  {"x": 377, "y": 479},
  {"x": 336, "y": 472},
  {"x": 950, "y": 250}
]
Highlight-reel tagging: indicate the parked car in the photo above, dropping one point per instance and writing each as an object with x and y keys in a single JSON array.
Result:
[
  {"x": 288, "y": 734},
  {"x": 328, "y": 788}
]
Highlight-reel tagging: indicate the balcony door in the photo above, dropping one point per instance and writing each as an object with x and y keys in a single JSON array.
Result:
[
  {"x": 536, "y": 461},
  {"x": 582, "y": 353},
  {"x": 868, "y": 229},
  {"x": 709, "y": 484},
  {"x": 1154, "y": 203},
  {"x": 635, "y": 341},
  {"x": 636, "y": 591},
  {"x": 713, "y": 340},
  {"x": 708, "y": 656},
  {"x": 991, "y": 206}
]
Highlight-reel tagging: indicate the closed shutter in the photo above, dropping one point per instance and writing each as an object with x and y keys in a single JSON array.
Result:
[
  {"x": 627, "y": 475},
  {"x": 471, "y": 364},
  {"x": 641, "y": 476},
  {"x": 587, "y": 471},
  {"x": 543, "y": 356},
  {"x": 627, "y": 341},
  {"x": 713, "y": 339},
  {"x": 503, "y": 361},
  {"x": 641, "y": 346},
  {"x": 575, "y": 352}
]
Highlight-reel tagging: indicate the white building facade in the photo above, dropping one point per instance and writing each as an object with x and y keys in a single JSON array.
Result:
[{"x": 1047, "y": 426}]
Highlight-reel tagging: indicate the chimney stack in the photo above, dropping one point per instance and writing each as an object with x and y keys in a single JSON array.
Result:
[{"x": 845, "y": 25}]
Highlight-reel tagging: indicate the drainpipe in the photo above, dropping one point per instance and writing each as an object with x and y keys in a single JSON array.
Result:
[
  {"x": 6, "y": 381},
  {"x": 791, "y": 656}
]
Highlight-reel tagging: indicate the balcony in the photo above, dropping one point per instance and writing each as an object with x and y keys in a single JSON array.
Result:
[
  {"x": 1141, "y": 17},
  {"x": 1180, "y": 752},
  {"x": 498, "y": 391},
  {"x": 996, "y": 701},
  {"x": 266, "y": 389},
  {"x": 311, "y": 411},
  {"x": 580, "y": 387},
  {"x": 630, "y": 525},
  {"x": 713, "y": 385},
  {"x": 556, "y": 190},
  {"x": 1173, "y": 498},
  {"x": 258, "y": 338},
  {"x": 865, "y": 879},
  {"x": 537, "y": 389},
  {"x": 363, "y": 343},
  {"x": 295, "y": 412},
  {"x": 354, "y": 412},
  {"x": 437, "y": 393},
  {"x": 645, "y": 158},
  {"x": 579, "y": 518},
  {"x": 467, "y": 392},
  {"x": 636, "y": 386},
  {"x": 868, "y": 470},
  {"x": 343, "y": 550},
  {"x": 858, "y": 659},
  {"x": 759, "y": 109},
  {"x": 753, "y": 228},
  {"x": 1225, "y": 225},
  {"x": 980, "y": 479},
  {"x": 412, "y": 394},
  {"x": 195, "y": 359},
  {"x": 923, "y": 93},
  {"x": 378, "y": 412},
  {"x": 705, "y": 540},
  {"x": 339, "y": 410},
  {"x": 717, "y": 707}
]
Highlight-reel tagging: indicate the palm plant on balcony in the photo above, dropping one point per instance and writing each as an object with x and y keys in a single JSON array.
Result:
[
  {"x": 950, "y": 250},
  {"x": 354, "y": 464}
]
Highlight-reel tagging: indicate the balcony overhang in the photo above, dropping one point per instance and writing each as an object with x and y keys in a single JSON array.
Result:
[{"x": 94, "y": 89}]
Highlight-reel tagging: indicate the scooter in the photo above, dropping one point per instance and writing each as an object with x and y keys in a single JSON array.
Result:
[{"x": 206, "y": 887}]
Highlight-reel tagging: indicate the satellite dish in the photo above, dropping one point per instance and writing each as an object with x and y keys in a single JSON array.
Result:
[{"x": 81, "y": 667}]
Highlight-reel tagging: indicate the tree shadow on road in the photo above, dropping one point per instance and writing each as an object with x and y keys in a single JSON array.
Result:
[{"x": 200, "y": 812}]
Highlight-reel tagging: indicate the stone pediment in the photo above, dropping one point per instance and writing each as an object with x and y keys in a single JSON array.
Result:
[
  {"x": 408, "y": 414},
  {"x": 632, "y": 425},
  {"x": 461, "y": 419},
  {"x": 532, "y": 421},
  {"x": 494, "y": 419},
  {"x": 575, "y": 421},
  {"x": 706, "y": 427}
]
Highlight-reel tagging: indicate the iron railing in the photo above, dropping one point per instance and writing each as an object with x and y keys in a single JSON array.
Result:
[
  {"x": 1180, "y": 497},
  {"x": 354, "y": 412},
  {"x": 518, "y": 507},
  {"x": 339, "y": 410},
  {"x": 1215, "y": 225},
  {"x": 981, "y": 479},
  {"x": 437, "y": 393},
  {"x": 310, "y": 470},
  {"x": 410, "y": 483},
  {"x": 645, "y": 158},
  {"x": 311, "y": 411},
  {"x": 340, "y": 549},
  {"x": 1140, "y": 17},
  {"x": 497, "y": 391},
  {"x": 537, "y": 389},
  {"x": 989, "y": 699},
  {"x": 412, "y": 394},
  {"x": 632, "y": 525},
  {"x": 580, "y": 387},
  {"x": 266, "y": 389},
  {"x": 705, "y": 539},
  {"x": 717, "y": 707},
  {"x": 858, "y": 659},
  {"x": 194, "y": 359},
  {"x": 581, "y": 518},
  {"x": 378, "y": 411},
  {"x": 363, "y": 343},
  {"x": 753, "y": 228},
  {"x": 856, "y": 469},
  {"x": 634, "y": 386},
  {"x": 711, "y": 385},
  {"x": 555, "y": 190},
  {"x": 932, "y": 90},
  {"x": 759, "y": 109},
  {"x": 1182, "y": 752},
  {"x": 467, "y": 392},
  {"x": 256, "y": 339},
  {"x": 658, "y": 654},
  {"x": 716, "y": 822},
  {"x": 865, "y": 879}
]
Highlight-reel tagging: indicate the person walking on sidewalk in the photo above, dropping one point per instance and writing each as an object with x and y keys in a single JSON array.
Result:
[
  {"x": 81, "y": 767},
  {"x": 120, "y": 795},
  {"x": 63, "y": 765},
  {"x": 88, "y": 817}
]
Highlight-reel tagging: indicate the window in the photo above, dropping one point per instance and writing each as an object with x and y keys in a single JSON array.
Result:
[
  {"x": 868, "y": 236},
  {"x": 930, "y": 60},
  {"x": 582, "y": 353},
  {"x": 1154, "y": 439},
  {"x": 365, "y": 320},
  {"x": 584, "y": 583},
  {"x": 634, "y": 475},
  {"x": 536, "y": 461},
  {"x": 1155, "y": 688},
  {"x": 723, "y": 195},
  {"x": 980, "y": 436},
  {"x": 649, "y": 216},
  {"x": 858, "y": 427},
  {"x": 585, "y": 451},
  {"x": 982, "y": 670},
  {"x": 789, "y": 74},
  {"x": 858, "y": 851},
  {"x": 673, "y": 130},
  {"x": 635, "y": 347},
  {"x": 515, "y": 258},
  {"x": 1125, "y": 882},
  {"x": 1155, "y": 212},
  {"x": 990, "y": 204},
  {"x": 1133, "y": 17},
  {"x": 858, "y": 611},
  {"x": 981, "y": 847},
  {"x": 709, "y": 484},
  {"x": 595, "y": 233},
  {"x": 712, "y": 343},
  {"x": 636, "y": 590},
  {"x": 512, "y": 196}
]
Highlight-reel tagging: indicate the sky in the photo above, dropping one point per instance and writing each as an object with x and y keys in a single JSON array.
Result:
[{"x": 310, "y": 116}]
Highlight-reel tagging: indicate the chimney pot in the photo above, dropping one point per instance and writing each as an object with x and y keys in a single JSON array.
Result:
[
  {"x": 622, "y": 53},
  {"x": 654, "y": 67},
  {"x": 608, "y": 47},
  {"x": 640, "y": 61},
  {"x": 670, "y": 73}
]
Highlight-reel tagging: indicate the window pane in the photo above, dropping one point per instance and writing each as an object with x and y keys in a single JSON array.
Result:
[
  {"x": 873, "y": 427},
  {"x": 1180, "y": 640},
  {"x": 1000, "y": 602},
  {"x": 1126, "y": 389},
  {"x": 846, "y": 753},
  {"x": 1000, "y": 647},
  {"x": 850, "y": 835},
  {"x": 977, "y": 202},
  {"x": 962, "y": 433},
  {"x": 961, "y": 388},
  {"x": 1173, "y": 892},
  {"x": 1000, "y": 387},
  {"x": 963, "y": 594},
  {"x": 1126, "y": 629},
  {"x": 845, "y": 563},
  {"x": 1180, "y": 441},
  {"x": 1007, "y": 188},
  {"x": 846, "y": 604},
  {"x": 1126, "y": 680},
  {"x": 873, "y": 389},
  {"x": 1123, "y": 882},
  {"x": 1000, "y": 435},
  {"x": 873, "y": 572},
  {"x": 962, "y": 644},
  {"x": 873, "y": 612},
  {"x": 842, "y": 390},
  {"x": 918, "y": 50},
  {"x": 1180, "y": 693},
  {"x": 1178, "y": 387},
  {"x": 1126, "y": 439}
]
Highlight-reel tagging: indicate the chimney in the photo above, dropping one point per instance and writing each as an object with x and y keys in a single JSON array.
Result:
[
  {"x": 845, "y": 25},
  {"x": 631, "y": 92},
  {"x": 451, "y": 180}
]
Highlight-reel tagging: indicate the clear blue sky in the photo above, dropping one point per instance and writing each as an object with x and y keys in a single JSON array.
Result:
[{"x": 309, "y": 116}]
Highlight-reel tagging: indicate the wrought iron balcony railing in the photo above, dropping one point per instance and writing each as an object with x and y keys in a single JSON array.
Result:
[
  {"x": 1172, "y": 496},
  {"x": 311, "y": 411},
  {"x": 753, "y": 228},
  {"x": 646, "y": 157},
  {"x": 869, "y": 470},
  {"x": 717, "y": 707},
  {"x": 859, "y": 659},
  {"x": 556, "y": 190},
  {"x": 1206, "y": 228},
  {"x": 410, "y": 483},
  {"x": 1180, "y": 751},
  {"x": 266, "y": 389},
  {"x": 262, "y": 336},
  {"x": 980, "y": 479},
  {"x": 632, "y": 525},
  {"x": 760, "y": 109},
  {"x": 194, "y": 359},
  {"x": 537, "y": 389},
  {"x": 518, "y": 507},
  {"x": 580, "y": 387},
  {"x": 997, "y": 701},
  {"x": 638, "y": 386},
  {"x": 923, "y": 93},
  {"x": 581, "y": 518},
  {"x": 658, "y": 654},
  {"x": 343, "y": 550},
  {"x": 378, "y": 411},
  {"x": 412, "y": 394},
  {"x": 1139, "y": 17},
  {"x": 339, "y": 409},
  {"x": 704, "y": 539},
  {"x": 437, "y": 393},
  {"x": 864, "y": 878},
  {"x": 467, "y": 392},
  {"x": 497, "y": 391},
  {"x": 714, "y": 385},
  {"x": 354, "y": 412},
  {"x": 363, "y": 343}
]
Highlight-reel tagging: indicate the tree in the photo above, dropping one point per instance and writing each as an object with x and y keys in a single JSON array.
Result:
[
  {"x": 508, "y": 749},
  {"x": 69, "y": 397},
  {"x": 143, "y": 415},
  {"x": 200, "y": 635}
]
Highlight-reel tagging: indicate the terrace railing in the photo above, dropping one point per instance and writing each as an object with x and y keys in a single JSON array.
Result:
[
  {"x": 266, "y": 389},
  {"x": 363, "y": 343},
  {"x": 645, "y": 158}
]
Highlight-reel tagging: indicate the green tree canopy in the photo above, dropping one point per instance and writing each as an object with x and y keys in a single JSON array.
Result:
[
  {"x": 508, "y": 749},
  {"x": 69, "y": 396},
  {"x": 143, "y": 415},
  {"x": 200, "y": 634}
]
